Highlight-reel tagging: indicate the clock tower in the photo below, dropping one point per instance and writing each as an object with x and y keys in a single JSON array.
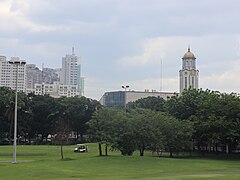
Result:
[{"x": 188, "y": 75}]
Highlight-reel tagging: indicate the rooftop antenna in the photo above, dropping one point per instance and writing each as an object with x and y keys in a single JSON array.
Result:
[
  {"x": 72, "y": 50},
  {"x": 161, "y": 77},
  {"x": 42, "y": 73}
]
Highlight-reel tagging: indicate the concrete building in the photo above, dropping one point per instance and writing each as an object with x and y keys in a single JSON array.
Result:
[
  {"x": 71, "y": 72},
  {"x": 50, "y": 75},
  {"x": 120, "y": 98},
  {"x": 188, "y": 75},
  {"x": 10, "y": 72},
  {"x": 34, "y": 76},
  {"x": 56, "y": 90}
]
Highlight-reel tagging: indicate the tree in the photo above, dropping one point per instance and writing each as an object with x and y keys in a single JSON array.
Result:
[
  {"x": 124, "y": 134},
  {"x": 6, "y": 113},
  {"x": 41, "y": 107},
  {"x": 153, "y": 103},
  {"x": 177, "y": 134},
  {"x": 61, "y": 129},
  {"x": 79, "y": 111},
  {"x": 147, "y": 131},
  {"x": 104, "y": 129}
]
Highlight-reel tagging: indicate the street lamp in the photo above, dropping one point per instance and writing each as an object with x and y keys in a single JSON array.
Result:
[
  {"x": 125, "y": 99},
  {"x": 17, "y": 63}
]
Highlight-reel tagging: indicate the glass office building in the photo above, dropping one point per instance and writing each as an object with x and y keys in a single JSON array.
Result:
[
  {"x": 114, "y": 99},
  {"x": 119, "y": 98}
]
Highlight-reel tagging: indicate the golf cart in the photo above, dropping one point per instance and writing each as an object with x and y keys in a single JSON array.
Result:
[{"x": 81, "y": 148}]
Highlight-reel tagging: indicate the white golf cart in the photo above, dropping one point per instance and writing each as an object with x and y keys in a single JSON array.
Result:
[{"x": 81, "y": 148}]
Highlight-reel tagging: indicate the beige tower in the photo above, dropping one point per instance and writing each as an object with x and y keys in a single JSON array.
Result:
[{"x": 188, "y": 74}]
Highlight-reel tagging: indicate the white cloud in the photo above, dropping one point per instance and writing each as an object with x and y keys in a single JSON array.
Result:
[
  {"x": 153, "y": 49},
  {"x": 226, "y": 81},
  {"x": 13, "y": 17},
  {"x": 166, "y": 85}
]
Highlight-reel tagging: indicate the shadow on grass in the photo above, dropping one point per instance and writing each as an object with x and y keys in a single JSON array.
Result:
[{"x": 210, "y": 156}]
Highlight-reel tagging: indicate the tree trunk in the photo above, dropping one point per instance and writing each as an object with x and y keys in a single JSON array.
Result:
[
  {"x": 62, "y": 151},
  {"x": 106, "y": 150},
  {"x": 142, "y": 150},
  {"x": 100, "y": 149},
  {"x": 171, "y": 153},
  {"x": 227, "y": 149}
]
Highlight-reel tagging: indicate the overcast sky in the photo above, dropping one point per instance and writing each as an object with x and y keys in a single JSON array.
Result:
[{"x": 122, "y": 42}]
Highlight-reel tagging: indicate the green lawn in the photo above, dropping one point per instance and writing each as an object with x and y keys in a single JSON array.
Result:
[{"x": 43, "y": 162}]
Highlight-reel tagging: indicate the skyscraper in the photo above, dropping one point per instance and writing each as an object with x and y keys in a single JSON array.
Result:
[
  {"x": 188, "y": 74},
  {"x": 71, "y": 72}
]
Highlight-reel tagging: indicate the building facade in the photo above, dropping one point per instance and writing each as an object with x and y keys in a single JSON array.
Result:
[
  {"x": 56, "y": 90},
  {"x": 34, "y": 76},
  {"x": 50, "y": 75},
  {"x": 120, "y": 98},
  {"x": 9, "y": 73},
  {"x": 71, "y": 72},
  {"x": 188, "y": 75}
]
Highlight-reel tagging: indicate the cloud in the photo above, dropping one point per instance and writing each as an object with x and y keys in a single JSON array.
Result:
[
  {"x": 164, "y": 85},
  {"x": 226, "y": 81},
  {"x": 13, "y": 16},
  {"x": 153, "y": 49}
]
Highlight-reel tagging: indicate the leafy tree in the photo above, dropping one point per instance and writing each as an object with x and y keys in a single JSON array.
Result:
[
  {"x": 6, "y": 119},
  {"x": 124, "y": 134},
  {"x": 177, "y": 134},
  {"x": 153, "y": 103},
  {"x": 79, "y": 111},
  {"x": 146, "y": 129},
  {"x": 61, "y": 129},
  {"x": 41, "y": 107},
  {"x": 101, "y": 127}
]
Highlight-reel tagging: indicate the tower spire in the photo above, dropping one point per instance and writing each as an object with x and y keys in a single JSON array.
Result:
[
  {"x": 189, "y": 48},
  {"x": 72, "y": 50}
]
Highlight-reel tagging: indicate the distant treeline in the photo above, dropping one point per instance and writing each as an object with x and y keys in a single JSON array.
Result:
[{"x": 196, "y": 120}]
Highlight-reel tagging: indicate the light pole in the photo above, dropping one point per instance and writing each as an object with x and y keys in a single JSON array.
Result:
[
  {"x": 17, "y": 63},
  {"x": 125, "y": 97}
]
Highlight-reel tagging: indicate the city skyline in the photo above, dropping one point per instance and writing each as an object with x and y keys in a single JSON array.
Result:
[{"x": 127, "y": 42}]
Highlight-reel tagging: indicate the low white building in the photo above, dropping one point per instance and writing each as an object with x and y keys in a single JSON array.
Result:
[{"x": 56, "y": 90}]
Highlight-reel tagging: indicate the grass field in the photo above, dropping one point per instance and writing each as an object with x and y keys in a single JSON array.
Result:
[{"x": 43, "y": 162}]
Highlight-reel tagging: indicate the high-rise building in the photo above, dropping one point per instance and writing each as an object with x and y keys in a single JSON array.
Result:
[
  {"x": 34, "y": 76},
  {"x": 10, "y": 72},
  {"x": 188, "y": 75},
  {"x": 71, "y": 72}
]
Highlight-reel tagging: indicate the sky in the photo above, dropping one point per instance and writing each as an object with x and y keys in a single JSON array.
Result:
[{"x": 139, "y": 43}]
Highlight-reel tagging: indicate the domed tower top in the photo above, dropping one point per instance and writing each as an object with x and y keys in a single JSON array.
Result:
[{"x": 188, "y": 55}]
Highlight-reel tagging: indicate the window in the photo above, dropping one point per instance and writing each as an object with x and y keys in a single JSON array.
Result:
[{"x": 185, "y": 82}]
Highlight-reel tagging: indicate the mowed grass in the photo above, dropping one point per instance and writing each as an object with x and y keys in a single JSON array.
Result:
[{"x": 44, "y": 162}]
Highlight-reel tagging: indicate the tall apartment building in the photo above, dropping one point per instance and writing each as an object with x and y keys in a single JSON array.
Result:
[
  {"x": 10, "y": 72},
  {"x": 71, "y": 72}
]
